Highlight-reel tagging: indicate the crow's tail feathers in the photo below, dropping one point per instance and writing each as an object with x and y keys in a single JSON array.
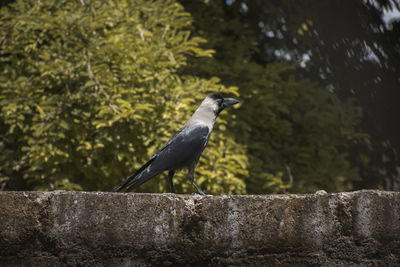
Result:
[
  {"x": 126, "y": 183},
  {"x": 135, "y": 178},
  {"x": 140, "y": 181}
]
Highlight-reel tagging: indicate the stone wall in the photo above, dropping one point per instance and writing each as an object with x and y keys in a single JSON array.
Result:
[{"x": 123, "y": 229}]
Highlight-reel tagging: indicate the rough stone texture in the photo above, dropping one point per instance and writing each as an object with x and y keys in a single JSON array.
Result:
[{"x": 113, "y": 229}]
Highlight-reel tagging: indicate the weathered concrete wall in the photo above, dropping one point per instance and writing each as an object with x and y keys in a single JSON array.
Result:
[{"x": 114, "y": 229}]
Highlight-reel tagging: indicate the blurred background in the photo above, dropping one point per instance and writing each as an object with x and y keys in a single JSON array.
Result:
[{"x": 89, "y": 90}]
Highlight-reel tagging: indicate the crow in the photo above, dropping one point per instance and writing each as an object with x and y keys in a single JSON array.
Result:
[{"x": 184, "y": 148}]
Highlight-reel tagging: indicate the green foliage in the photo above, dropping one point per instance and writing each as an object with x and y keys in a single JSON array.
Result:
[
  {"x": 89, "y": 90},
  {"x": 297, "y": 134}
]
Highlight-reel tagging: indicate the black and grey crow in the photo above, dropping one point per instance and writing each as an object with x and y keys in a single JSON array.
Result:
[{"x": 184, "y": 148}]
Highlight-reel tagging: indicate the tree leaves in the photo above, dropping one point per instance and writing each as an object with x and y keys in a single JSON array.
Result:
[
  {"x": 91, "y": 90},
  {"x": 88, "y": 92}
]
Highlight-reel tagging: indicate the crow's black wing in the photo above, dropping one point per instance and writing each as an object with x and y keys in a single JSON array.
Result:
[
  {"x": 186, "y": 145},
  {"x": 182, "y": 148}
]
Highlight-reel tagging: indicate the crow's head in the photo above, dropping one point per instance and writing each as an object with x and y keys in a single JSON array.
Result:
[
  {"x": 209, "y": 109},
  {"x": 217, "y": 103}
]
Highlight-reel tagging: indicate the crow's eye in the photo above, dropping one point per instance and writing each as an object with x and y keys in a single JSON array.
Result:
[{"x": 219, "y": 101}]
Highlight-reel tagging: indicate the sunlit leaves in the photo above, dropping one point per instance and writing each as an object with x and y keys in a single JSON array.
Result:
[{"x": 90, "y": 89}]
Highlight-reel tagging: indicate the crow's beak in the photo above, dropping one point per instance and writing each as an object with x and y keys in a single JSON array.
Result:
[{"x": 229, "y": 102}]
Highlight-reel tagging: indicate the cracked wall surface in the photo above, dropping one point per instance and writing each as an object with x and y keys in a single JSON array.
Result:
[{"x": 63, "y": 228}]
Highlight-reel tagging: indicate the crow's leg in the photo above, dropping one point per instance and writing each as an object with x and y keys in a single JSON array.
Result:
[
  {"x": 198, "y": 188},
  {"x": 171, "y": 183},
  {"x": 191, "y": 179}
]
